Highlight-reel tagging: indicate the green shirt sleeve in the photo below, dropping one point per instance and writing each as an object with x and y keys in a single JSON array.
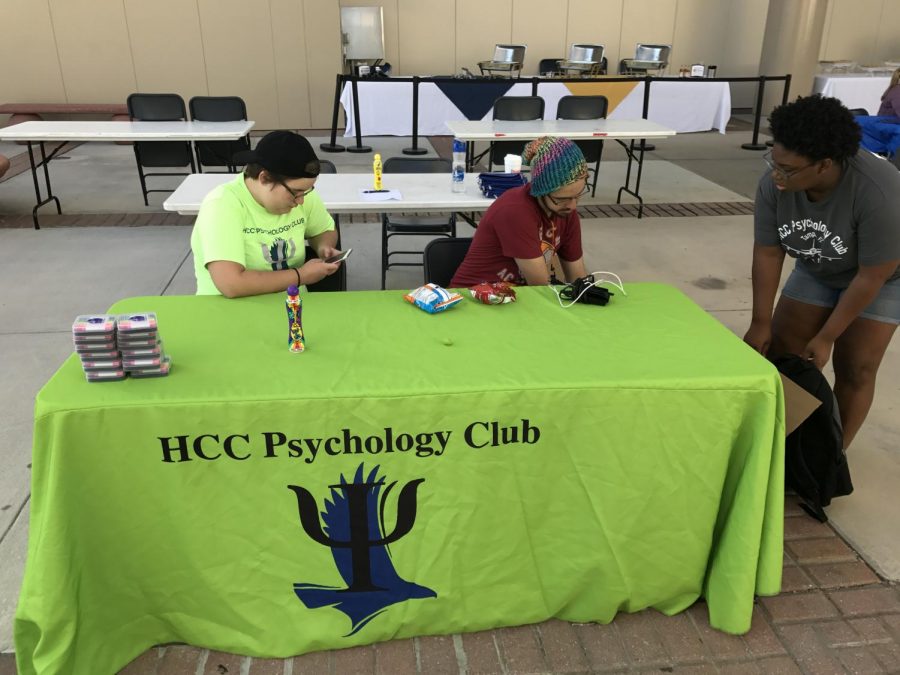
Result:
[
  {"x": 218, "y": 230},
  {"x": 318, "y": 220}
]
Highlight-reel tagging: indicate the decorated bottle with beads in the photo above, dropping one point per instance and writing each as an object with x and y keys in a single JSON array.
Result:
[
  {"x": 376, "y": 169},
  {"x": 296, "y": 340}
]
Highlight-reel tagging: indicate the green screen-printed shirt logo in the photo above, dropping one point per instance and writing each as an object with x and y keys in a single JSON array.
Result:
[{"x": 279, "y": 252}]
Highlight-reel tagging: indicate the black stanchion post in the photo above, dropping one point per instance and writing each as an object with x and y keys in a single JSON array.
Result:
[
  {"x": 333, "y": 146},
  {"x": 359, "y": 147},
  {"x": 784, "y": 100},
  {"x": 754, "y": 144},
  {"x": 415, "y": 149},
  {"x": 787, "y": 89}
]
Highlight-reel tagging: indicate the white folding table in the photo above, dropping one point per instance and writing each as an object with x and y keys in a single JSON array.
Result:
[
  {"x": 42, "y": 132},
  {"x": 341, "y": 192},
  {"x": 586, "y": 130}
]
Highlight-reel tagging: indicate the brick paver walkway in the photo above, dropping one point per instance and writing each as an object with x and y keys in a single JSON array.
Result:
[{"x": 834, "y": 615}]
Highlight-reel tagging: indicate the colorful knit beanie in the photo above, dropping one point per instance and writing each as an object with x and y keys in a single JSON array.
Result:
[{"x": 555, "y": 162}]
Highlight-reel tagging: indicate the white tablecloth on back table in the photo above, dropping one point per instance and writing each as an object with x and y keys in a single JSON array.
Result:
[
  {"x": 385, "y": 108},
  {"x": 854, "y": 91}
]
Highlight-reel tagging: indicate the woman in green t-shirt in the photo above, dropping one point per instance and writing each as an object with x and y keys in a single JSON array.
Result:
[{"x": 250, "y": 234}]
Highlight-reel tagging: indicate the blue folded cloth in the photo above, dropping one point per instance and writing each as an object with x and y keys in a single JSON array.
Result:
[
  {"x": 880, "y": 134},
  {"x": 494, "y": 183}
]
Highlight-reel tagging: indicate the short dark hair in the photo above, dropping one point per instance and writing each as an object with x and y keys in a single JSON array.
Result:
[
  {"x": 816, "y": 127},
  {"x": 253, "y": 170}
]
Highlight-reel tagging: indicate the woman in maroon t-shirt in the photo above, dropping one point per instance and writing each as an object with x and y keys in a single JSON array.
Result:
[{"x": 528, "y": 227}]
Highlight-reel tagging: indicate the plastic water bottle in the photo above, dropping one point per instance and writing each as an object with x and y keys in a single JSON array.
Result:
[{"x": 459, "y": 166}]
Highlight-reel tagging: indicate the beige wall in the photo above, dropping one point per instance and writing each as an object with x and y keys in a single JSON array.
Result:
[
  {"x": 30, "y": 69},
  {"x": 282, "y": 56},
  {"x": 865, "y": 31},
  {"x": 743, "y": 38},
  {"x": 426, "y": 37}
]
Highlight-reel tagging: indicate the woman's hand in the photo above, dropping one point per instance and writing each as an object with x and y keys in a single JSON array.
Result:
[
  {"x": 327, "y": 251},
  {"x": 759, "y": 336},
  {"x": 818, "y": 350},
  {"x": 316, "y": 269}
]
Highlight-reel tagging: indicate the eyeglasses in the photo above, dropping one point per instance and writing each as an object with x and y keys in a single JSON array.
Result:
[
  {"x": 296, "y": 193},
  {"x": 557, "y": 201},
  {"x": 778, "y": 171}
]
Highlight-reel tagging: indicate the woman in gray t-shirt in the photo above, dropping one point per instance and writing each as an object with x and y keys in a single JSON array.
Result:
[{"x": 836, "y": 209}]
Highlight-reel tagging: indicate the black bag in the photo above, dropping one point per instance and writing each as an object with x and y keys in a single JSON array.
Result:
[{"x": 815, "y": 462}]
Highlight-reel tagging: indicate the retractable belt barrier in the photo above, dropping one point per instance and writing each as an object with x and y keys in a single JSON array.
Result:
[{"x": 415, "y": 81}]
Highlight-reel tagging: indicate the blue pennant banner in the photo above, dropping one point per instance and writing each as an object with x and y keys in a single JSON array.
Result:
[{"x": 474, "y": 100}]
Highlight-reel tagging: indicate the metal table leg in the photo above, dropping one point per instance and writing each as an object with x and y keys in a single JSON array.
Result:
[
  {"x": 632, "y": 157},
  {"x": 45, "y": 161}
]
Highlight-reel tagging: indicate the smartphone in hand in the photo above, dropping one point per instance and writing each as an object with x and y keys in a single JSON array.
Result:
[{"x": 339, "y": 257}]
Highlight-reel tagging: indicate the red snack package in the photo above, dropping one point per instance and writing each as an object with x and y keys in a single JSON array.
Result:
[{"x": 496, "y": 293}]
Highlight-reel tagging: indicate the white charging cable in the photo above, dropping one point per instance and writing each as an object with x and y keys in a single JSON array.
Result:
[{"x": 597, "y": 282}]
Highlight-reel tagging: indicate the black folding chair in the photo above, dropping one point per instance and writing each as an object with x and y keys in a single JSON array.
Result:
[
  {"x": 549, "y": 66},
  {"x": 585, "y": 108},
  {"x": 416, "y": 226},
  {"x": 327, "y": 166},
  {"x": 155, "y": 154},
  {"x": 443, "y": 257},
  {"x": 219, "y": 109},
  {"x": 514, "y": 108},
  {"x": 338, "y": 280}
]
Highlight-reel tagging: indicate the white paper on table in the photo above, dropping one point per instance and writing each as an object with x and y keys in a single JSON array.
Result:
[{"x": 383, "y": 196}]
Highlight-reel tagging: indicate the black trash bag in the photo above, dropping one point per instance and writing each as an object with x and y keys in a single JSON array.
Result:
[{"x": 815, "y": 462}]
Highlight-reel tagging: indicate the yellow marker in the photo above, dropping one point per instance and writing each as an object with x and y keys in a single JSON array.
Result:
[{"x": 376, "y": 168}]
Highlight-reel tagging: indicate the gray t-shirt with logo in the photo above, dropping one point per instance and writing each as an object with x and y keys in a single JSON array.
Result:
[{"x": 857, "y": 224}]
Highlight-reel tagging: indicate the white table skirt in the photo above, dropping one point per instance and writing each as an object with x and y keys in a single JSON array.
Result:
[
  {"x": 854, "y": 91},
  {"x": 386, "y": 107}
]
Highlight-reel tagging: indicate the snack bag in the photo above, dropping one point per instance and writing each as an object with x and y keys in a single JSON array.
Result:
[
  {"x": 432, "y": 298},
  {"x": 496, "y": 293}
]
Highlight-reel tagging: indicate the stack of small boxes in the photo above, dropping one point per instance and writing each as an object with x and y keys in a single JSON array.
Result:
[
  {"x": 112, "y": 346},
  {"x": 141, "y": 346},
  {"x": 95, "y": 343}
]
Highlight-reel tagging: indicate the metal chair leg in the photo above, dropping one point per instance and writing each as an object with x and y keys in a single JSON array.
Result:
[
  {"x": 384, "y": 253},
  {"x": 141, "y": 176}
]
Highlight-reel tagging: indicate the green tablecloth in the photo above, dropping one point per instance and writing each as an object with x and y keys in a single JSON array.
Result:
[{"x": 536, "y": 462}]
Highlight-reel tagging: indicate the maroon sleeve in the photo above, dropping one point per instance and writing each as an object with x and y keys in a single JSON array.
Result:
[
  {"x": 517, "y": 230},
  {"x": 570, "y": 239}
]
